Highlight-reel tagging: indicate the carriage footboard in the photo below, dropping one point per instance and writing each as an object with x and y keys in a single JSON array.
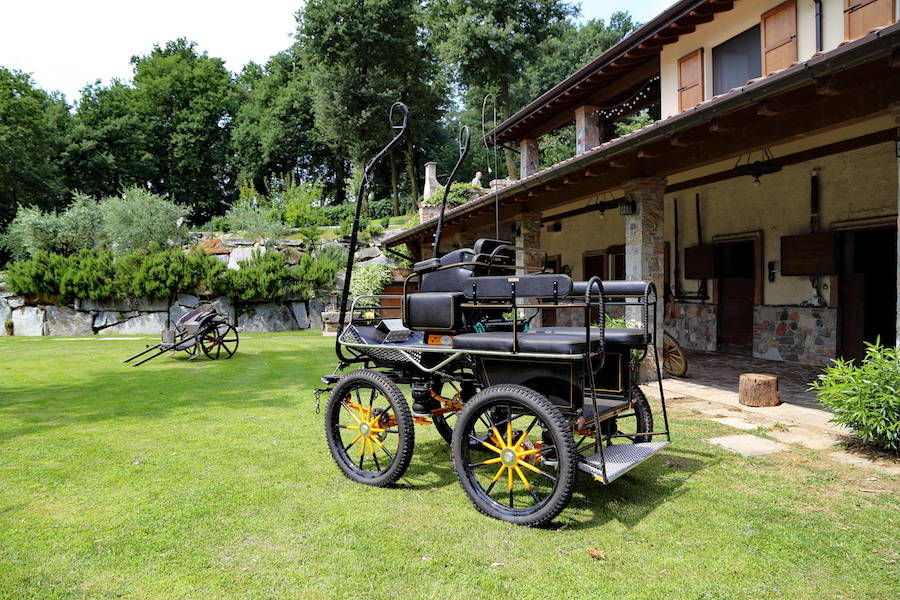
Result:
[{"x": 618, "y": 459}]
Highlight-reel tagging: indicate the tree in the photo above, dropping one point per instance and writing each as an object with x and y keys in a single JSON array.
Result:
[
  {"x": 363, "y": 56},
  {"x": 274, "y": 132},
  {"x": 108, "y": 144},
  {"x": 32, "y": 138},
  {"x": 490, "y": 43},
  {"x": 186, "y": 102}
]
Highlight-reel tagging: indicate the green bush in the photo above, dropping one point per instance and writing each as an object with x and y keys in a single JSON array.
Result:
[
  {"x": 267, "y": 276},
  {"x": 33, "y": 230},
  {"x": 460, "y": 193},
  {"x": 139, "y": 218},
  {"x": 39, "y": 275},
  {"x": 865, "y": 397},
  {"x": 256, "y": 215},
  {"x": 89, "y": 275},
  {"x": 370, "y": 280}
]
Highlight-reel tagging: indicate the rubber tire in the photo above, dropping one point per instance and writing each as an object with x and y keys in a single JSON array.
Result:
[
  {"x": 643, "y": 414},
  {"x": 404, "y": 425},
  {"x": 228, "y": 330},
  {"x": 566, "y": 455}
]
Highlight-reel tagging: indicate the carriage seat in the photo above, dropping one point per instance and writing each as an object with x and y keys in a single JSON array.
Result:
[
  {"x": 529, "y": 341},
  {"x": 613, "y": 288},
  {"x": 614, "y": 336}
]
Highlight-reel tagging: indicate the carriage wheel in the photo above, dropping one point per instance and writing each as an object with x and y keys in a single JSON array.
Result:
[
  {"x": 674, "y": 360},
  {"x": 220, "y": 341},
  {"x": 369, "y": 428},
  {"x": 446, "y": 421},
  {"x": 522, "y": 469}
]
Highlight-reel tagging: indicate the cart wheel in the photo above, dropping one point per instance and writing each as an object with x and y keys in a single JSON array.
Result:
[
  {"x": 634, "y": 423},
  {"x": 369, "y": 428},
  {"x": 221, "y": 337},
  {"x": 674, "y": 361},
  {"x": 445, "y": 422},
  {"x": 523, "y": 468}
]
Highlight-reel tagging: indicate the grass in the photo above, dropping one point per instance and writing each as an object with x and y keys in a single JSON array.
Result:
[{"x": 210, "y": 479}]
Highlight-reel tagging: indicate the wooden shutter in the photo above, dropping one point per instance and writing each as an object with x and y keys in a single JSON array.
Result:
[
  {"x": 690, "y": 80},
  {"x": 779, "y": 37},
  {"x": 862, "y": 16}
]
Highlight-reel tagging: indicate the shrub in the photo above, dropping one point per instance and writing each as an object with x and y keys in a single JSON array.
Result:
[
  {"x": 865, "y": 397},
  {"x": 336, "y": 214},
  {"x": 385, "y": 222},
  {"x": 39, "y": 275},
  {"x": 33, "y": 230},
  {"x": 370, "y": 280},
  {"x": 267, "y": 277},
  {"x": 301, "y": 202},
  {"x": 460, "y": 193},
  {"x": 139, "y": 219},
  {"x": 255, "y": 215},
  {"x": 89, "y": 275}
]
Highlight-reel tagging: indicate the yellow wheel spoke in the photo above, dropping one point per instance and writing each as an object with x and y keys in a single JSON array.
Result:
[
  {"x": 348, "y": 406},
  {"x": 528, "y": 452},
  {"x": 535, "y": 469},
  {"x": 497, "y": 437},
  {"x": 491, "y": 447},
  {"x": 509, "y": 432},
  {"x": 377, "y": 441},
  {"x": 509, "y": 471},
  {"x": 362, "y": 449},
  {"x": 522, "y": 477},
  {"x": 499, "y": 473},
  {"x": 525, "y": 434}
]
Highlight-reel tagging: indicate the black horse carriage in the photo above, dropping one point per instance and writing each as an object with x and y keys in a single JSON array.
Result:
[{"x": 524, "y": 408}]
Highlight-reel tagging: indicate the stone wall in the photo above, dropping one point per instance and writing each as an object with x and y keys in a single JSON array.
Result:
[
  {"x": 694, "y": 326},
  {"x": 30, "y": 317},
  {"x": 795, "y": 333}
]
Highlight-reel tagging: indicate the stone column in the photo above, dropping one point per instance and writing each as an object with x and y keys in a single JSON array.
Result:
[
  {"x": 528, "y": 235},
  {"x": 587, "y": 128},
  {"x": 530, "y": 159},
  {"x": 644, "y": 241},
  {"x": 431, "y": 181}
]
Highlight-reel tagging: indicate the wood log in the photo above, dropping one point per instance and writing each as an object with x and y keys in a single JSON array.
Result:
[{"x": 759, "y": 389}]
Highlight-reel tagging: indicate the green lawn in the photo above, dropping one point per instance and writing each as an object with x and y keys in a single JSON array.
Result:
[{"x": 212, "y": 480}]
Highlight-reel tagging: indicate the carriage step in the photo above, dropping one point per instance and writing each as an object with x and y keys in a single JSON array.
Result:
[{"x": 620, "y": 458}]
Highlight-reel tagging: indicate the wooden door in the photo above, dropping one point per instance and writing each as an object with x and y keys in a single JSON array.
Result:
[
  {"x": 779, "y": 37},
  {"x": 737, "y": 292},
  {"x": 690, "y": 80}
]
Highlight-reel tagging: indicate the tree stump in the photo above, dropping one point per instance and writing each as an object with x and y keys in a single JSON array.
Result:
[{"x": 759, "y": 389}]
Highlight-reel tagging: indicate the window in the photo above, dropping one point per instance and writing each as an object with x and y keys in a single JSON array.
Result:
[
  {"x": 690, "y": 80},
  {"x": 779, "y": 31},
  {"x": 736, "y": 61},
  {"x": 862, "y": 16}
]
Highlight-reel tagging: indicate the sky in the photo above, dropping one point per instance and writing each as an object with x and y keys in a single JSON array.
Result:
[{"x": 66, "y": 45}]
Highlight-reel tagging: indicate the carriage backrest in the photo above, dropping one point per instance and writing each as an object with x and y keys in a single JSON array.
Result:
[{"x": 544, "y": 285}]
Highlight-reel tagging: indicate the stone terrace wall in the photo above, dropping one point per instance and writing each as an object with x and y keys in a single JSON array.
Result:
[
  {"x": 148, "y": 317},
  {"x": 795, "y": 333}
]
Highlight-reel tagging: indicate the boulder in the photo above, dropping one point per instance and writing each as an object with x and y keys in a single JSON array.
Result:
[
  {"x": 106, "y": 318},
  {"x": 5, "y": 315},
  {"x": 213, "y": 247},
  {"x": 240, "y": 254},
  {"x": 144, "y": 324},
  {"x": 367, "y": 254},
  {"x": 62, "y": 320},
  {"x": 300, "y": 315},
  {"x": 15, "y": 301},
  {"x": 28, "y": 320},
  {"x": 223, "y": 306},
  {"x": 236, "y": 242},
  {"x": 188, "y": 300},
  {"x": 314, "y": 312},
  {"x": 267, "y": 317}
]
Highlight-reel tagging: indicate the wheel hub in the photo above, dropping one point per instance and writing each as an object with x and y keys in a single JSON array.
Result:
[
  {"x": 365, "y": 429},
  {"x": 509, "y": 457}
]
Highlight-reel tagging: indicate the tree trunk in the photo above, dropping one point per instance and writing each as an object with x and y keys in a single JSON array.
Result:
[
  {"x": 758, "y": 389},
  {"x": 394, "y": 194},
  {"x": 512, "y": 172},
  {"x": 411, "y": 168}
]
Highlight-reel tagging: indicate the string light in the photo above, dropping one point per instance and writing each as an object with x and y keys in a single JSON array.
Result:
[{"x": 627, "y": 106}]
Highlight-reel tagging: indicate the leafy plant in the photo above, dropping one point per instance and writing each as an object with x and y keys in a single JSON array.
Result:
[
  {"x": 38, "y": 276},
  {"x": 460, "y": 193},
  {"x": 370, "y": 280},
  {"x": 33, "y": 230},
  {"x": 267, "y": 276},
  {"x": 88, "y": 275},
  {"x": 140, "y": 218},
  {"x": 256, "y": 215},
  {"x": 865, "y": 397}
]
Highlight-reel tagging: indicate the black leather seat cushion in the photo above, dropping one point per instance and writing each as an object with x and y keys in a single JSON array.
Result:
[
  {"x": 529, "y": 341},
  {"x": 534, "y": 286},
  {"x": 614, "y": 336},
  {"x": 432, "y": 310},
  {"x": 612, "y": 288}
]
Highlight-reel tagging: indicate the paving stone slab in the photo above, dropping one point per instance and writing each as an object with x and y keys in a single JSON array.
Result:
[
  {"x": 892, "y": 467},
  {"x": 748, "y": 445},
  {"x": 810, "y": 438},
  {"x": 737, "y": 423}
]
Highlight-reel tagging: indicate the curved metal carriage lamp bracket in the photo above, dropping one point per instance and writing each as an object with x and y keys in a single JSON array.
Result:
[
  {"x": 464, "y": 138},
  {"x": 398, "y": 117}
]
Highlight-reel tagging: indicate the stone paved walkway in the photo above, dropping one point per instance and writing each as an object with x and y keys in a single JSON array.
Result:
[{"x": 723, "y": 371}]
